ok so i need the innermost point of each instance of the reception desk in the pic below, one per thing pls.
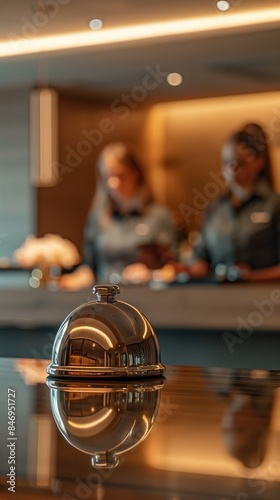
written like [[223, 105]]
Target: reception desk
[[167, 435], [232, 325]]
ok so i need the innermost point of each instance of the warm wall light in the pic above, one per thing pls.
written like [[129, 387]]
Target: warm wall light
[[43, 137], [20, 45]]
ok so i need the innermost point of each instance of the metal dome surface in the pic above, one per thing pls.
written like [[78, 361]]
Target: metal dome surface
[[105, 338]]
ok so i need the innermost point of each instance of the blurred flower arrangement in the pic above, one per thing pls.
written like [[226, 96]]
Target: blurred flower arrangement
[[47, 256]]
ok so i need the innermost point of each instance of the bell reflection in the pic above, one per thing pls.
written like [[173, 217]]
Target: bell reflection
[[105, 420]]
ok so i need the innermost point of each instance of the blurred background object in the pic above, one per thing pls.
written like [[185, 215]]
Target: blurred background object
[[47, 257], [120, 90]]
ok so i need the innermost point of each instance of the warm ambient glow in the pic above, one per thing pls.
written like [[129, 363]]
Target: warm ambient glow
[[43, 140], [91, 330], [91, 421], [19, 45]]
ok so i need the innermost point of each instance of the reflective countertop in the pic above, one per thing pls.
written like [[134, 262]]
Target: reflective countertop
[[197, 433]]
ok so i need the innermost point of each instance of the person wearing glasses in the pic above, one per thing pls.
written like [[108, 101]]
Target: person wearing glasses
[[240, 231]]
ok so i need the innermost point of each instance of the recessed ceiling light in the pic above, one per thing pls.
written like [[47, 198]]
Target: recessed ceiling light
[[174, 79], [223, 5], [95, 24]]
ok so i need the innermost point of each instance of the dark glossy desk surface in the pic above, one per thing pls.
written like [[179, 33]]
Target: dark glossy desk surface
[[188, 453]]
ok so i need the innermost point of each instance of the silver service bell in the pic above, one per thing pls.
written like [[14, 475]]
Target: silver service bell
[[105, 338]]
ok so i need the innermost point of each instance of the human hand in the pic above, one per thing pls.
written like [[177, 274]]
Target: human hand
[[167, 274], [79, 279], [136, 273], [244, 272]]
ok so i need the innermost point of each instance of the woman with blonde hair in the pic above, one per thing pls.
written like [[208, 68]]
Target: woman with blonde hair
[[125, 225]]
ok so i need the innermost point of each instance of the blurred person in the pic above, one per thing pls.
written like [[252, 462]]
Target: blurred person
[[247, 418], [124, 225], [261, 141], [240, 229], [246, 426]]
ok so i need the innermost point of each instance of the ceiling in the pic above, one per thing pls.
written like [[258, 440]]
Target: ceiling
[[223, 62]]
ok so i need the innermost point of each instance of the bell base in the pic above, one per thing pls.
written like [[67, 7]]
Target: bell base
[[88, 372], [97, 386]]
